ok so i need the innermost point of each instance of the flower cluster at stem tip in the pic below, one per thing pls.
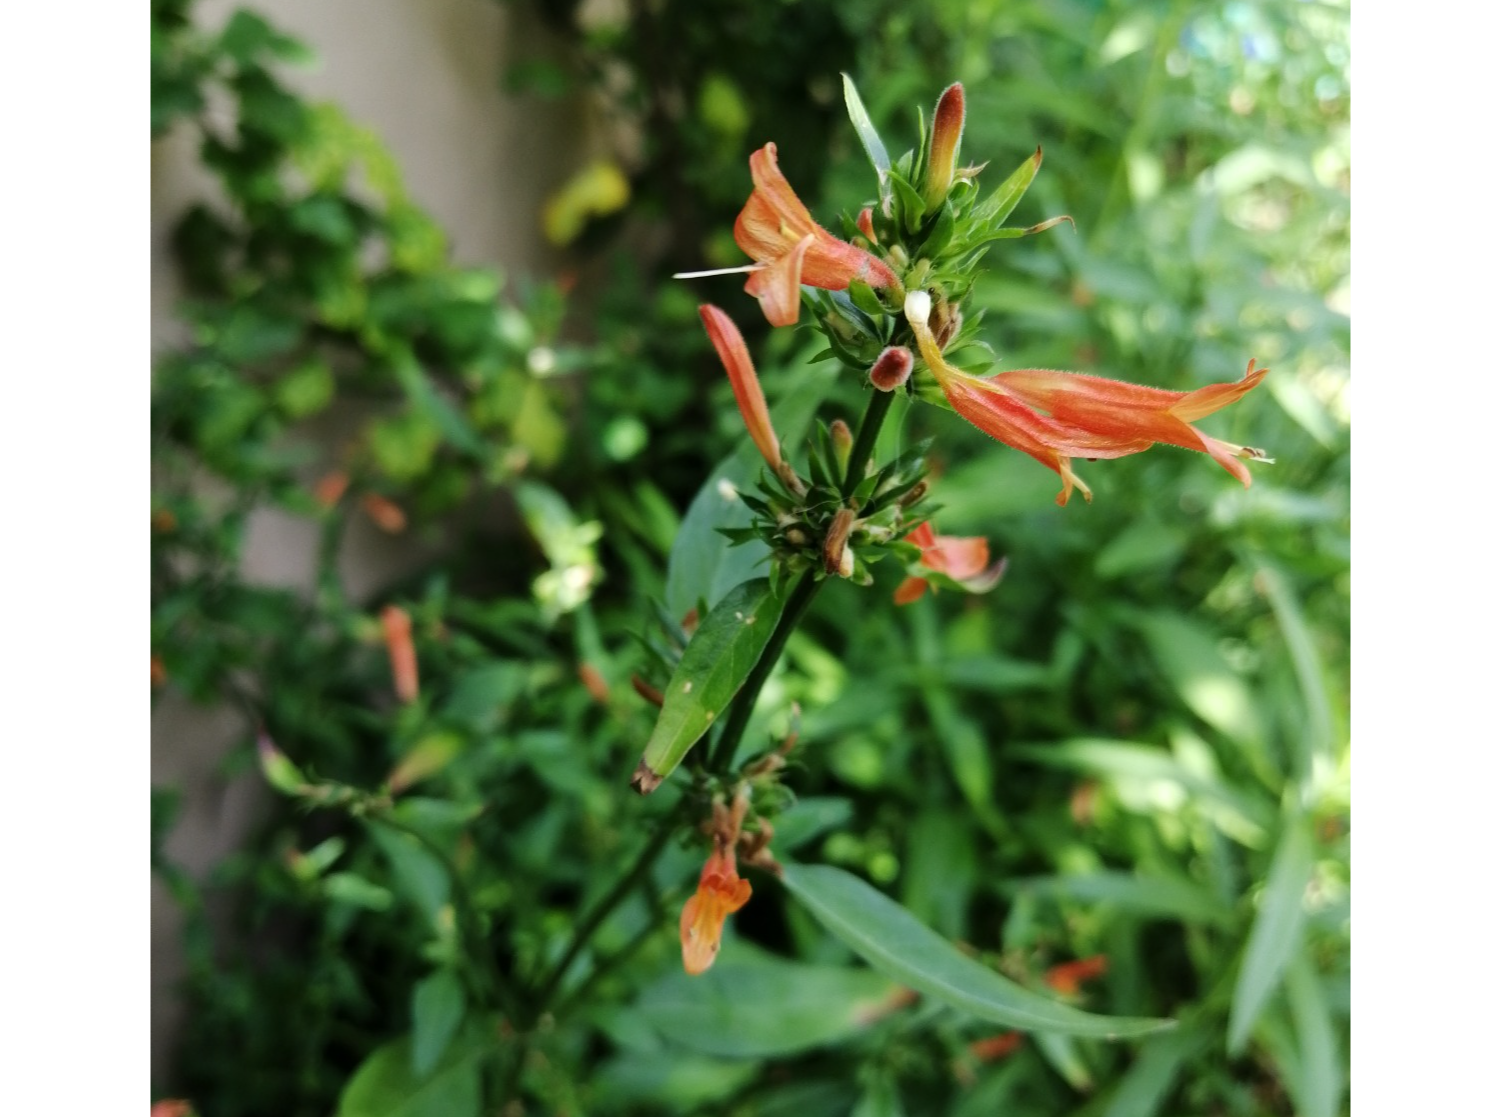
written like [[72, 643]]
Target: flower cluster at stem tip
[[888, 299]]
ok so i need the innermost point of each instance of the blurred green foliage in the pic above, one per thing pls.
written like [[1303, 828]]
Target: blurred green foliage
[[1135, 748]]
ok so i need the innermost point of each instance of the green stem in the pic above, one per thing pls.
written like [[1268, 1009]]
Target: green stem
[[597, 915], [869, 433], [487, 983], [611, 962], [744, 702]]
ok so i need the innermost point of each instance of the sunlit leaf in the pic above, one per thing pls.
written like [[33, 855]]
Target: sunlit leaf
[[727, 644]]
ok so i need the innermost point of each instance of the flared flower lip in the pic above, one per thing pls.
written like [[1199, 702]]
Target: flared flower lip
[[1057, 416], [720, 892], [776, 230]]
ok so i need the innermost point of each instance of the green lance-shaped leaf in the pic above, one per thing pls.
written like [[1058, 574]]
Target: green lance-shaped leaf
[[892, 940], [726, 646], [996, 209], [1275, 933], [874, 147]]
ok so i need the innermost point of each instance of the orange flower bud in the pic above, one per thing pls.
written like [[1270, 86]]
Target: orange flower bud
[[398, 634], [946, 135], [737, 363], [892, 368]]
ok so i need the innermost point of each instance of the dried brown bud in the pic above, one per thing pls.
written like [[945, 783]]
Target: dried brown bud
[[917, 492], [835, 545], [946, 322]]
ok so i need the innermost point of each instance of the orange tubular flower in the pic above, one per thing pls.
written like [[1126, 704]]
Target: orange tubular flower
[[1111, 407], [1088, 417], [962, 558], [721, 892], [737, 363], [775, 230]]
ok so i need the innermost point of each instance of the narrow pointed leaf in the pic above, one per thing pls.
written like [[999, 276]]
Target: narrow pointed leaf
[[714, 665], [874, 147], [1317, 1093], [995, 210], [892, 940], [1275, 933]]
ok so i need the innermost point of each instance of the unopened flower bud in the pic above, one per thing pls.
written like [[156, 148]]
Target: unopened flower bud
[[837, 559], [916, 493], [892, 369], [946, 135], [866, 224], [843, 442]]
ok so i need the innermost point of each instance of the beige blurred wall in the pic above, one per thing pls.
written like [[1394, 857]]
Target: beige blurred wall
[[426, 75]]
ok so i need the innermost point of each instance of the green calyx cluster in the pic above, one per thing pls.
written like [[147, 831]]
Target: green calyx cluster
[[827, 527]]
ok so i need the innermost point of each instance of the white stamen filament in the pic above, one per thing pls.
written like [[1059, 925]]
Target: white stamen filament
[[717, 271]]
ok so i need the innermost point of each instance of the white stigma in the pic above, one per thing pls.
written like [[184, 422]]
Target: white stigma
[[917, 307]]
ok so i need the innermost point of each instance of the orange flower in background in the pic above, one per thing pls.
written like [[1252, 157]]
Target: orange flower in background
[[776, 230], [383, 512], [331, 488], [1088, 417], [398, 635], [737, 363], [962, 558], [996, 1047], [721, 892], [1067, 978]]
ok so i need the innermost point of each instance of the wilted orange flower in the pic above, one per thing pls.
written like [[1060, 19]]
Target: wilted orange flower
[[398, 634], [776, 230], [962, 558], [721, 892], [1088, 417], [1068, 976]]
